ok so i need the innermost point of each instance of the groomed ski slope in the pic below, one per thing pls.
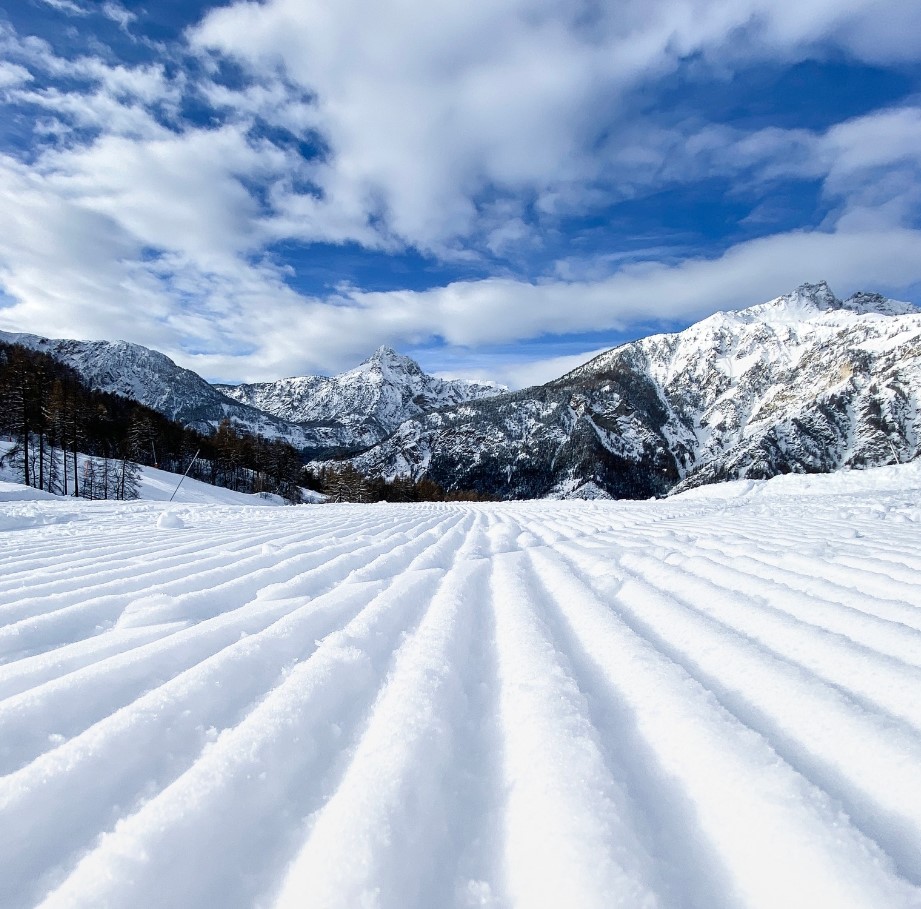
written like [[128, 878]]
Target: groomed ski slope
[[710, 701]]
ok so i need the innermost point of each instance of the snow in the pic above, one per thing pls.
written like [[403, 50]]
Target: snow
[[155, 485], [367, 402], [707, 701]]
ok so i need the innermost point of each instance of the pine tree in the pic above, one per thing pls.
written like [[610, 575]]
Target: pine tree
[[17, 405]]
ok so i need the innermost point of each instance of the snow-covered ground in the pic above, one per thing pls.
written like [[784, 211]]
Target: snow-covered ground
[[154, 485], [709, 701]]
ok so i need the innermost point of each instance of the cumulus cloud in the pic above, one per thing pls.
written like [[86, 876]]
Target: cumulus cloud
[[471, 315], [425, 107]]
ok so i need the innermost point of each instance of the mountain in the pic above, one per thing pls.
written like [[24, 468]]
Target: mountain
[[323, 417], [152, 378], [367, 403], [803, 383]]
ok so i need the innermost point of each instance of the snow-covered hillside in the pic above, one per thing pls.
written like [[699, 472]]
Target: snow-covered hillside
[[153, 379], [705, 702], [369, 401], [805, 383]]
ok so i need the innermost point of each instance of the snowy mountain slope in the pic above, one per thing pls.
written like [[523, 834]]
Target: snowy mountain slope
[[805, 382], [370, 401], [319, 415], [152, 378], [706, 702]]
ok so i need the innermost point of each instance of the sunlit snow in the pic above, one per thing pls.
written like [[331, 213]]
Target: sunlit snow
[[708, 701]]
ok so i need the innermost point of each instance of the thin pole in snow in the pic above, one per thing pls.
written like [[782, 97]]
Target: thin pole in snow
[[184, 475]]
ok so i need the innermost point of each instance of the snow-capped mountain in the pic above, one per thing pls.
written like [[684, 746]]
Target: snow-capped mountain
[[153, 379], [321, 416], [805, 383], [368, 402]]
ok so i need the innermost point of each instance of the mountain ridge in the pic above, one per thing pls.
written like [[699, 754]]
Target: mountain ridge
[[350, 412], [372, 399], [804, 382], [152, 378]]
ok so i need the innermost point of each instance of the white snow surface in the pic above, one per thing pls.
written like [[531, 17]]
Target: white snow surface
[[708, 701], [154, 485]]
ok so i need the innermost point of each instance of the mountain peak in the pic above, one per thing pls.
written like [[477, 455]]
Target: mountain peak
[[387, 356], [804, 303], [810, 300], [820, 297], [819, 294]]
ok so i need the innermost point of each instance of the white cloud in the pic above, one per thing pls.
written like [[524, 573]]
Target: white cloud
[[11, 74], [520, 372], [174, 276], [118, 14], [179, 193], [297, 335], [111, 9], [69, 7], [425, 107]]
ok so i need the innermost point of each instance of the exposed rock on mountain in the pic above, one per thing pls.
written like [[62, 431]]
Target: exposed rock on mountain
[[367, 403], [806, 382], [323, 417]]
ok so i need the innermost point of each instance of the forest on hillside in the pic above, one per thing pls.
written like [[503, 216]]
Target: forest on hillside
[[50, 415]]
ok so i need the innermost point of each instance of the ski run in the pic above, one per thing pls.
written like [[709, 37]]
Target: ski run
[[707, 701]]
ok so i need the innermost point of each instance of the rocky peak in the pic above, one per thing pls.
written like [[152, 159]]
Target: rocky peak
[[387, 359], [819, 295], [864, 302], [811, 300]]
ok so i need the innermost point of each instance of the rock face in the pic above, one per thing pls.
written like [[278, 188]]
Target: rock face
[[805, 383], [363, 405]]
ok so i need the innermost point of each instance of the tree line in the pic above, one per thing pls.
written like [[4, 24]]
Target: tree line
[[73, 440], [344, 483]]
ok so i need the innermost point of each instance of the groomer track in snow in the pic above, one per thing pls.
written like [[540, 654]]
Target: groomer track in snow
[[709, 701]]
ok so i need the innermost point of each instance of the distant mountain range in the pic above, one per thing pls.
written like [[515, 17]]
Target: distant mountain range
[[321, 416], [365, 404], [805, 382]]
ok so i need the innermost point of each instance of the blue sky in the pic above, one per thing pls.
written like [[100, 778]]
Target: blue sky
[[498, 187]]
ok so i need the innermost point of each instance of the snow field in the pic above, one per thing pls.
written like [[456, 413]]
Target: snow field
[[708, 701]]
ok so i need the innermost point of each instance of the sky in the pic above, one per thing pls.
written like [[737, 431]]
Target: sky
[[499, 188]]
